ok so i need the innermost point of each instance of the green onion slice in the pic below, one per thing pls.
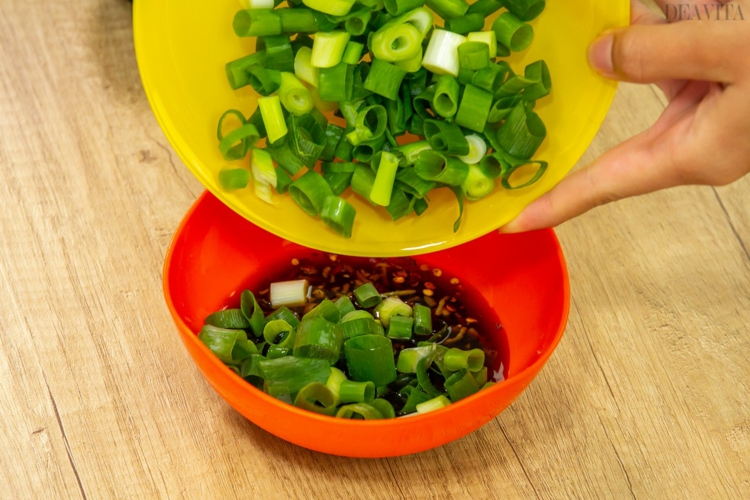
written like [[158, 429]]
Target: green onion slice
[[356, 392], [512, 32], [457, 359], [310, 192], [367, 296], [435, 166], [326, 310], [317, 398], [286, 376], [232, 319], [424, 378], [437, 403], [409, 358], [359, 411], [234, 178], [370, 357], [318, 338], [445, 138], [461, 385], [338, 214], [230, 346], [253, 313]]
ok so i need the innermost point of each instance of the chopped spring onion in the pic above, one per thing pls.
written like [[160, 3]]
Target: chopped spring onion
[[279, 333], [477, 150], [339, 215], [538, 72], [465, 24], [318, 338], [435, 166], [422, 320], [441, 56], [257, 4], [477, 185], [541, 169], [384, 407], [480, 376], [237, 70], [344, 303], [488, 37], [384, 79], [310, 192], [257, 22], [445, 102], [409, 358], [262, 167], [336, 83], [234, 178], [522, 133], [362, 180], [317, 398], [410, 152], [334, 382], [263, 80], [384, 179], [512, 32], [360, 326], [448, 9], [332, 7], [461, 385], [398, 7], [283, 313], [289, 293], [396, 43], [370, 124], [370, 357], [232, 319], [526, 10], [485, 7], [252, 311], [286, 376], [367, 296], [279, 52], [228, 345], [353, 53], [303, 67], [356, 392], [445, 138], [273, 118], [437, 403], [326, 310], [359, 410], [358, 314], [475, 108], [474, 55], [390, 307], [411, 183], [420, 18], [400, 328], [328, 48], [295, 97], [457, 359]]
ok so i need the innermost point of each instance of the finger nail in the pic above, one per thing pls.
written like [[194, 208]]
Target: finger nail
[[600, 54], [511, 228]]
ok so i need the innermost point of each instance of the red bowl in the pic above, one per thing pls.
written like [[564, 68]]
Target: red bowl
[[216, 253]]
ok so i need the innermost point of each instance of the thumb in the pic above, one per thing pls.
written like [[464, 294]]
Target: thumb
[[649, 53]]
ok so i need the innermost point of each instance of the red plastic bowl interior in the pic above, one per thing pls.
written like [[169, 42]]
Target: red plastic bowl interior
[[216, 253]]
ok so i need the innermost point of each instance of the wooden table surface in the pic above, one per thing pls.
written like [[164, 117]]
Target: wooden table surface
[[646, 396]]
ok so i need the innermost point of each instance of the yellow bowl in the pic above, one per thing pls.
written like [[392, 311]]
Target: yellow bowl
[[182, 47]]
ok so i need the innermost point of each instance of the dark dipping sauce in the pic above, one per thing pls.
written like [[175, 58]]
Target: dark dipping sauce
[[461, 317]]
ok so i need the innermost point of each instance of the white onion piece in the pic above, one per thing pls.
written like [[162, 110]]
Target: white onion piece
[[256, 4], [289, 293], [477, 150], [441, 56]]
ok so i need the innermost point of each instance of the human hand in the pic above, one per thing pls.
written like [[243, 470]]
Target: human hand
[[703, 136]]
